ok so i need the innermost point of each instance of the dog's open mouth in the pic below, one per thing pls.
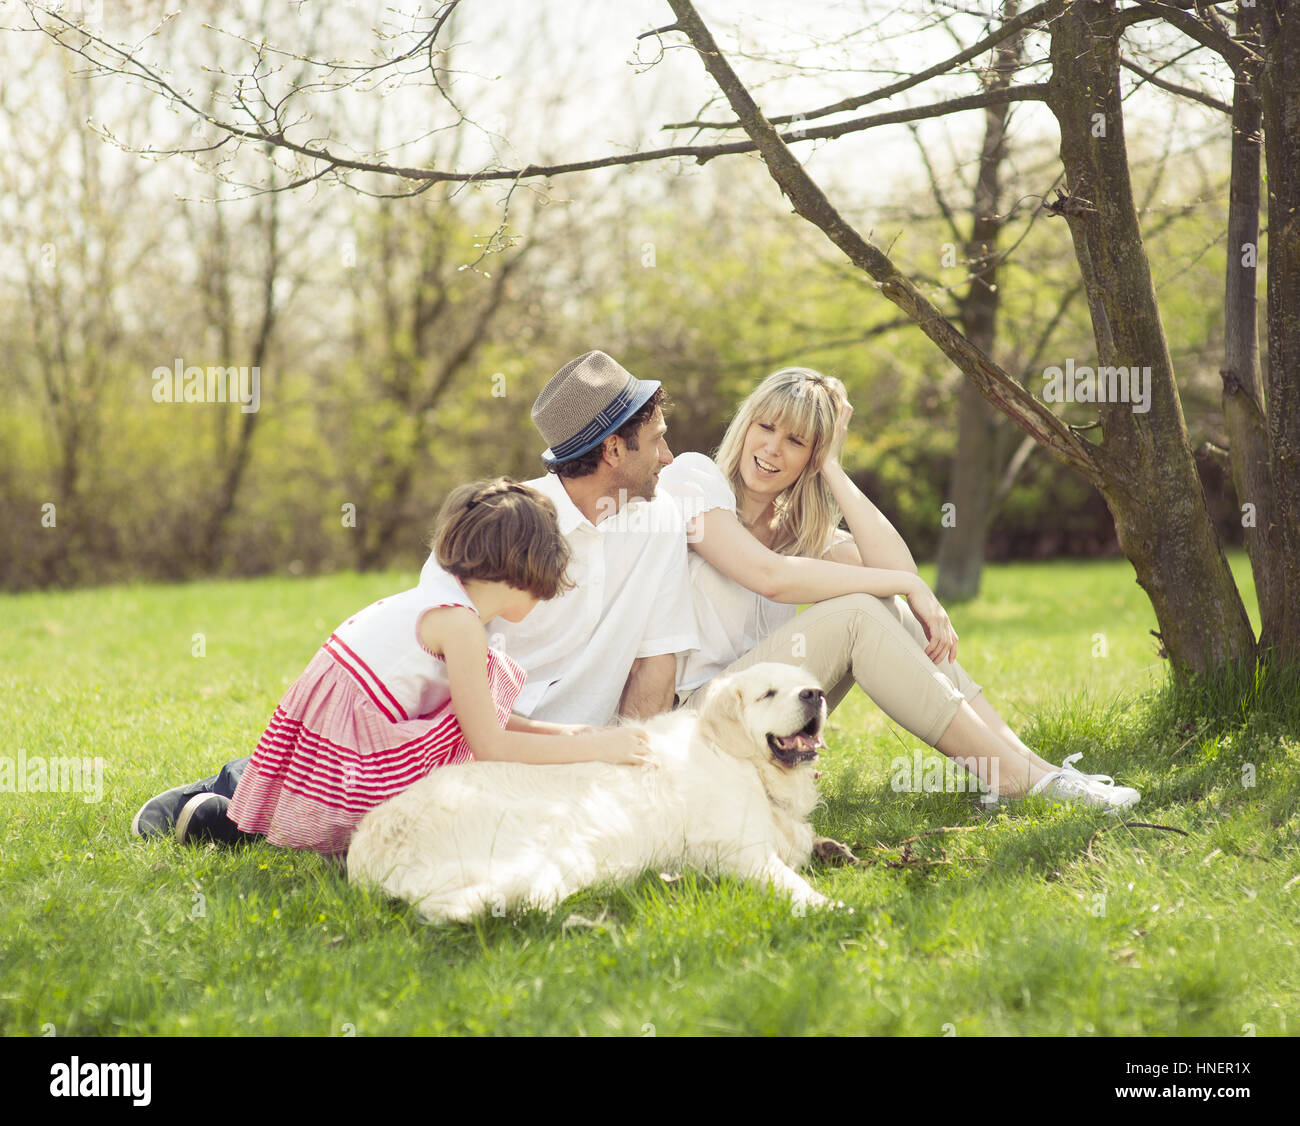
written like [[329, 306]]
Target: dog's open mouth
[[791, 750]]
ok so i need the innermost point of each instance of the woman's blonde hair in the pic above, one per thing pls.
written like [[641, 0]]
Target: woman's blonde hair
[[805, 403]]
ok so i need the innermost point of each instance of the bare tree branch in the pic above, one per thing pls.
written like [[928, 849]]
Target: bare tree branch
[[1173, 88], [275, 134], [1211, 35], [935, 190], [816, 346], [1032, 15], [809, 201]]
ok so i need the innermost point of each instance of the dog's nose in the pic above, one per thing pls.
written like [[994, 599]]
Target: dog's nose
[[811, 695]]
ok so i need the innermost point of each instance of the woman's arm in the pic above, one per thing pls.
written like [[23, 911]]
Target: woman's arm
[[876, 539], [725, 543], [457, 634], [878, 542]]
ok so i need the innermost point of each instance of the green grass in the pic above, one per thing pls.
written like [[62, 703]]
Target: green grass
[[1013, 929]]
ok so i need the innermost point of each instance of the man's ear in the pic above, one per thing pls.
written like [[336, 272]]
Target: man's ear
[[612, 449]]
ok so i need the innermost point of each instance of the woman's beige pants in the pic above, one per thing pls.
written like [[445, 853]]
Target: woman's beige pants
[[876, 643]]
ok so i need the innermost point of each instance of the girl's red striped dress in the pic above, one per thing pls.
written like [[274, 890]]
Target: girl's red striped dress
[[369, 717]]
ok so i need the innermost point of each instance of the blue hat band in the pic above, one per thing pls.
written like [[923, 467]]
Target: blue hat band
[[599, 428]]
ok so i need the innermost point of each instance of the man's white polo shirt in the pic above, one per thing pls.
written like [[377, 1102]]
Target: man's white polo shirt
[[631, 598]]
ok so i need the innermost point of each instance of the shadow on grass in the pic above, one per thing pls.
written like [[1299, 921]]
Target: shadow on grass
[[1216, 754], [1234, 771]]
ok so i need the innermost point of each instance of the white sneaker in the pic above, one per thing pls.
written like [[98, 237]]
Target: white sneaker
[[1070, 785]]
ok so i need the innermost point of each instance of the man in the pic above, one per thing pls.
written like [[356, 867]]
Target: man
[[607, 647]]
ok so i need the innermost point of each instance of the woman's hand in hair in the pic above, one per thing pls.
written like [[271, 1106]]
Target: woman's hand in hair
[[934, 620], [843, 413]]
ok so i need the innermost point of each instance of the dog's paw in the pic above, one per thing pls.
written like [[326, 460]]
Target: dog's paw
[[815, 901], [808, 900], [831, 851]]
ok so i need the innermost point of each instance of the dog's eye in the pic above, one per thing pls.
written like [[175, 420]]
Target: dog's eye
[[769, 692]]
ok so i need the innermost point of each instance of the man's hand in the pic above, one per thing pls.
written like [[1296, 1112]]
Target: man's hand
[[649, 687]]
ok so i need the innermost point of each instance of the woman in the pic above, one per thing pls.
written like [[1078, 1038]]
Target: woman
[[763, 539]]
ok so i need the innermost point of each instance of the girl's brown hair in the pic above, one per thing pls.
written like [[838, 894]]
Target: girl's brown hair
[[502, 531]]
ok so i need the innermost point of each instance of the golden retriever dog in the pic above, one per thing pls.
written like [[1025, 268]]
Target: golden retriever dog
[[730, 791]]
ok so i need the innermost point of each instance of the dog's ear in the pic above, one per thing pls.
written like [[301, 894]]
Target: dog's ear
[[721, 705], [723, 695]]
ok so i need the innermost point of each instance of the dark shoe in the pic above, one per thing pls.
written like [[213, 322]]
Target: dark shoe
[[158, 816], [204, 819]]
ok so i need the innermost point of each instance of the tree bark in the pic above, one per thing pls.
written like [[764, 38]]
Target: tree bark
[[976, 470], [1144, 468], [1280, 97], [232, 465], [1243, 403], [1149, 477]]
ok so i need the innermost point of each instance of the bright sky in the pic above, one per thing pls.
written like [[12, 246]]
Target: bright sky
[[567, 80]]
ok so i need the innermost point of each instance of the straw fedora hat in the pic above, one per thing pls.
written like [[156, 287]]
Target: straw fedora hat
[[584, 403]]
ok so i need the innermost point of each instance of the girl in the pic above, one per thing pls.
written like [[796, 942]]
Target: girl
[[763, 539], [410, 684]]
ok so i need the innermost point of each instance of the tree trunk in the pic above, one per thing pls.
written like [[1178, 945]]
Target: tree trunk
[[1144, 469], [1280, 96], [233, 466], [976, 469], [1149, 477], [1243, 403], [432, 338]]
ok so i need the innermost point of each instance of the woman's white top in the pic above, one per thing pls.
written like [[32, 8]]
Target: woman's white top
[[731, 618]]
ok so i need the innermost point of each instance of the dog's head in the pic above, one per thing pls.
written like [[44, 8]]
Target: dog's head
[[769, 711]]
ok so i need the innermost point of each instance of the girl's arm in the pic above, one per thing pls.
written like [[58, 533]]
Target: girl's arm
[[724, 542], [540, 727], [456, 633]]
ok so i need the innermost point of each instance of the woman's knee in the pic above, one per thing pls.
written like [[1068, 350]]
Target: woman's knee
[[868, 605], [870, 612], [890, 616]]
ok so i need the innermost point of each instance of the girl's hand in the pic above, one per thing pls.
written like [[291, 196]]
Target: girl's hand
[[934, 620], [842, 416], [625, 746]]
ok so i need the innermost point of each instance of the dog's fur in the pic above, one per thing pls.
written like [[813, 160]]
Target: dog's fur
[[500, 836]]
